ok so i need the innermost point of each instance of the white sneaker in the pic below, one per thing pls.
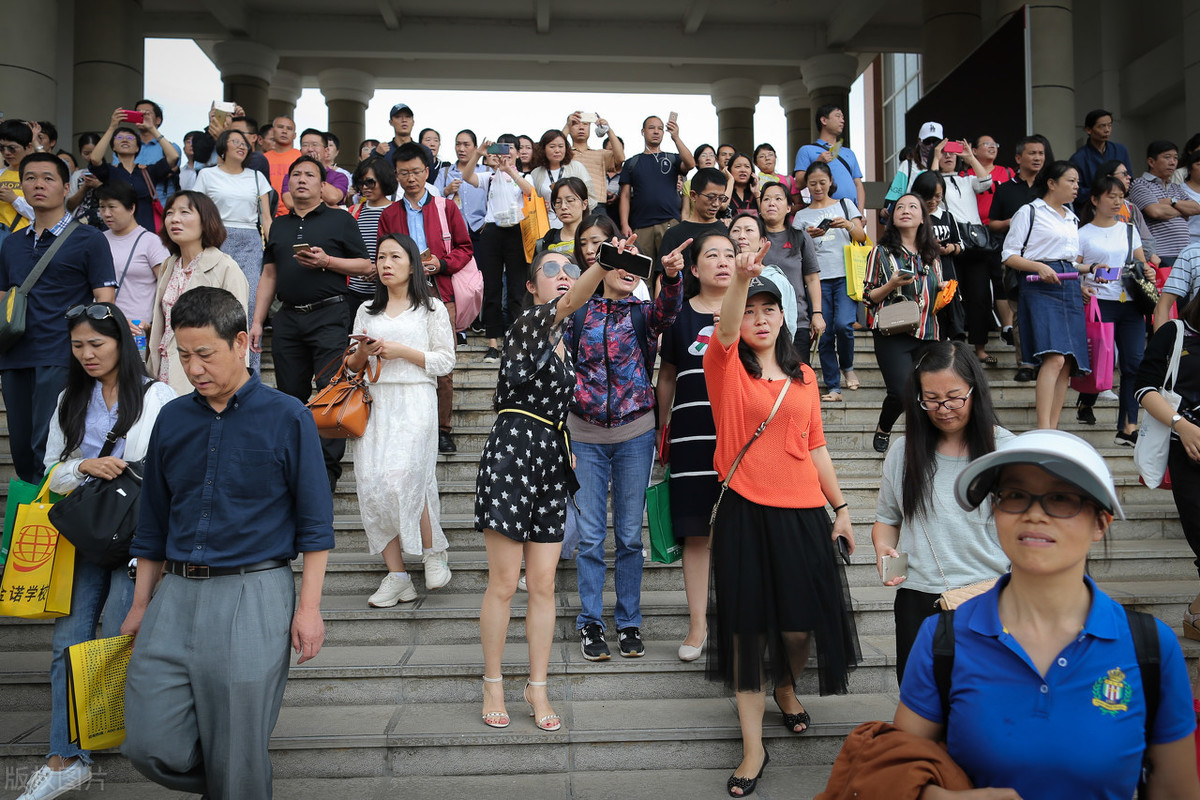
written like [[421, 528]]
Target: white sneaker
[[1108, 396], [46, 783], [521, 584], [393, 590], [437, 572]]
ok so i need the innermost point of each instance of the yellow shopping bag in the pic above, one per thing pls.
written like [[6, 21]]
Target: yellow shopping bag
[[41, 564], [856, 268], [96, 691], [536, 223]]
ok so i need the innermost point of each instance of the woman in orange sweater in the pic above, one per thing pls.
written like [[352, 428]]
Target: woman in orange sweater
[[776, 576]]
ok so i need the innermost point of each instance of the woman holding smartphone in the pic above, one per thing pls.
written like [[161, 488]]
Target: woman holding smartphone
[[408, 333], [744, 196]]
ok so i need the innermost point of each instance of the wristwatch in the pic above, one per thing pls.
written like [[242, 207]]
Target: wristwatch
[[1173, 201], [1174, 420]]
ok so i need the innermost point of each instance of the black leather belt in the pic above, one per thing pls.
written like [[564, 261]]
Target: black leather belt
[[307, 307], [202, 571]]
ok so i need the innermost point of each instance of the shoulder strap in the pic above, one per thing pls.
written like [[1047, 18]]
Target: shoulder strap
[[44, 261], [943, 662], [758, 432], [149, 184], [845, 211], [440, 204], [1032, 216], [1176, 352], [129, 260], [1144, 630], [1129, 238]]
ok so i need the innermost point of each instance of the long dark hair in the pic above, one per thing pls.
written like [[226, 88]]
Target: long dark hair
[[131, 377], [418, 288], [927, 246], [921, 438]]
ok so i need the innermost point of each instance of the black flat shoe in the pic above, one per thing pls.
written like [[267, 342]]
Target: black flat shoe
[[747, 785], [881, 440]]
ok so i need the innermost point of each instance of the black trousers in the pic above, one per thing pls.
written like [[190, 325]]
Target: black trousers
[[308, 346], [501, 254], [803, 343], [911, 608], [979, 283], [895, 355], [31, 401], [1185, 486]]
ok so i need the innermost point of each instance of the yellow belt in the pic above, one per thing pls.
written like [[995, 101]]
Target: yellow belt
[[558, 426]]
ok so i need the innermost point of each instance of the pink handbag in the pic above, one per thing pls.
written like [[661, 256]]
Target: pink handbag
[[467, 282], [1101, 352]]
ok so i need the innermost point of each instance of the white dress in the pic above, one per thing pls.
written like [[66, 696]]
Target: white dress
[[395, 460]]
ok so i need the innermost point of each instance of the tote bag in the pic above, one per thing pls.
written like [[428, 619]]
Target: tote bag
[[96, 691], [41, 565], [664, 549], [535, 225], [467, 282], [1101, 352], [1154, 439]]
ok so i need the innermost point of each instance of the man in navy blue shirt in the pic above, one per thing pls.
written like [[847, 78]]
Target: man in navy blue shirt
[[34, 371], [234, 488], [650, 201], [847, 175], [1098, 125]]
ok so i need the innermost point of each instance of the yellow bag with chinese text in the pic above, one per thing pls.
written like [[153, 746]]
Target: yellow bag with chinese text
[[536, 223], [96, 691], [41, 564]]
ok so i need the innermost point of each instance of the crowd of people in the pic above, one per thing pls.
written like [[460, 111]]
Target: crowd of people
[[165, 265]]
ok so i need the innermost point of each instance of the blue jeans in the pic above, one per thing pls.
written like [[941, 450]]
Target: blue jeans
[[840, 315], [626, 468], [94, 591]]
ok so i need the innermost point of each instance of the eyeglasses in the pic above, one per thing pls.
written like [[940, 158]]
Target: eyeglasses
[[10, 148], [1060, 505], [950, 403], [367, 183], [409, 173], [125, 138], [551, 269], [713, 197], [563, 202], [94, 311]]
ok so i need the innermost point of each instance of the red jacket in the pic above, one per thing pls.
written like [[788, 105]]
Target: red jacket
[[395, 220]]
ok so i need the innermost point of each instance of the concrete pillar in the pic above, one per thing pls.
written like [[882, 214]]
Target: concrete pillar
[[828, 77], [282, 95], [951, 30], [246, 71], [735, 99], [347, 93], [1052, 64], [29, 68], [1191, 70], [793, 96], [109, 52]]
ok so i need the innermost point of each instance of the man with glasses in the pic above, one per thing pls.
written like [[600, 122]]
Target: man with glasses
[[34, 369], [16, 142], [707, 194], [336, 185], [417, 215]]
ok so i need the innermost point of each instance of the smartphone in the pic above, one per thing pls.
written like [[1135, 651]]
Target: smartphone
[[1109, 273], [673, 117], [588, 116], [499, 149], [222, 112], [132, 116], [895, 567], [825, 223], [301, 248], [425, 254], [633, 263], [953, 147], [843, 548], [360, 337]]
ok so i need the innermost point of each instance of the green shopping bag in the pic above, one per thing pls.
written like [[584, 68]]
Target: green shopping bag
[[663, 547]]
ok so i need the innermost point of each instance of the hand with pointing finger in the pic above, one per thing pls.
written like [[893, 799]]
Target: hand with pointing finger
[[673, 262], [750, 265]]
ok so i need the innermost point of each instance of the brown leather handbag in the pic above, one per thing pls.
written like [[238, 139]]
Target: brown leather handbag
[[342, 408]]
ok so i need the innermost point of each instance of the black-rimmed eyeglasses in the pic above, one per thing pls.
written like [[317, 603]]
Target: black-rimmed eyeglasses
[[950, 403], [1060, 505]]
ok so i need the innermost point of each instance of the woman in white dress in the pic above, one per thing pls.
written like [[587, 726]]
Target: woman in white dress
[[408, 333]]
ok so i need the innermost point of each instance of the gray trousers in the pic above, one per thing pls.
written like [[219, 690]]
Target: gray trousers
[[206, 681]]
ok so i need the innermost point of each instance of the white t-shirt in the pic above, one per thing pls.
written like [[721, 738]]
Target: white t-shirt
[[1108, 246], [236, 196], [831, 248], [135, 294]]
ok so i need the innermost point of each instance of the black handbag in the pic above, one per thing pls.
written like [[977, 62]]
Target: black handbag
[[976, 237], [1142, 291]]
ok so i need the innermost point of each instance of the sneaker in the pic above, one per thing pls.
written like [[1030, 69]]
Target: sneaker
[[1025, 375], [437, 571], [446, 443], [591, 642], [1107, 396], [1125, 439], [630, 641], [1085, 414], [1006, 336], [392, 590], [521, 584], [491, 356], [461, 337], [46, 783]]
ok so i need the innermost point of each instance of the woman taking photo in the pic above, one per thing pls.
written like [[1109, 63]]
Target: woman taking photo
[[553, 160], [793, 250], [948, 421], [406, 329], [106, 392], [375, 181], [126, 143], [903, 267], [845, 226], [569, 199], [1046, 695], [1044, 241], [535, 385], [242, 196], [777, 581], [193, 233], [743, 198]]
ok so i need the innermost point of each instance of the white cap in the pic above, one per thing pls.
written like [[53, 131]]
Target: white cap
[[1064, 455], [931, 130]]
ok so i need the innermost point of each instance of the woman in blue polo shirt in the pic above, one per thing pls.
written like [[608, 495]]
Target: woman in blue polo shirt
[[1045, 692]]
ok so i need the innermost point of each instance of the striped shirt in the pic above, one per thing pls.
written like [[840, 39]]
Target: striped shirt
[[1170, 235], [368, 226], [882, 263]]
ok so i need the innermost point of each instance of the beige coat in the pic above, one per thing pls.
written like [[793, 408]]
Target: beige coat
[[214, 269]]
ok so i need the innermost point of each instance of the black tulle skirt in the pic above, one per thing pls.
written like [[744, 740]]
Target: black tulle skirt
[[777, 578]]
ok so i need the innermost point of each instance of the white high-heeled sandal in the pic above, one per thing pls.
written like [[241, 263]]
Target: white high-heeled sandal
[[495, 719], [544, 723]]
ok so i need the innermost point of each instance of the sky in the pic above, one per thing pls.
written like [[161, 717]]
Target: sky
[[185, 107]]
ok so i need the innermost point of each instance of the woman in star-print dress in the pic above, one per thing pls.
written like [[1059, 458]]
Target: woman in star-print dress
[[525, 479]]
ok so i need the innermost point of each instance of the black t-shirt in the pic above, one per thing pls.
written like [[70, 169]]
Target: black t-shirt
[[680, 233], [331, 229], [653, 180], [1010, 196]]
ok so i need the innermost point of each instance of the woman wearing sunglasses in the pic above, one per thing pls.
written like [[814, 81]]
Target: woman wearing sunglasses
[[1046, 695], [375, 182], [106, 393], [526, 477], [948, 420]]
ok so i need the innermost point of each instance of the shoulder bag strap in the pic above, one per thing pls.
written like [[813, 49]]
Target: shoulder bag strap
[[44, 261], [1144, 631], [149, 185], [1176, 352], [440, 204], [758, 432], [1032, 216], [1129, 239], [943, 662], [129, 260]]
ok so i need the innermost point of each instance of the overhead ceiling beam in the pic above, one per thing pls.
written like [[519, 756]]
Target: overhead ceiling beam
[[231, 14], [391, 20], [541, 10], [694, 16], [852, 16]]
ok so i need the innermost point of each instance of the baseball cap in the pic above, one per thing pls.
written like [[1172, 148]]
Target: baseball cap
[[928, 130], [399, 107], [1064, 455], [760, 285]]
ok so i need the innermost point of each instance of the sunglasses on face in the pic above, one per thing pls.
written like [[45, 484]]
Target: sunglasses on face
[[368, 183], [1060, 505], [551, 269], [94, 311]]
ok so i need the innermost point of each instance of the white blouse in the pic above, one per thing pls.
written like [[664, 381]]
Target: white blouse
[[1053, 238], [960, 196]]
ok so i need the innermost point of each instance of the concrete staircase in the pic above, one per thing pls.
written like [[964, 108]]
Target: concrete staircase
[[392, 703]]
